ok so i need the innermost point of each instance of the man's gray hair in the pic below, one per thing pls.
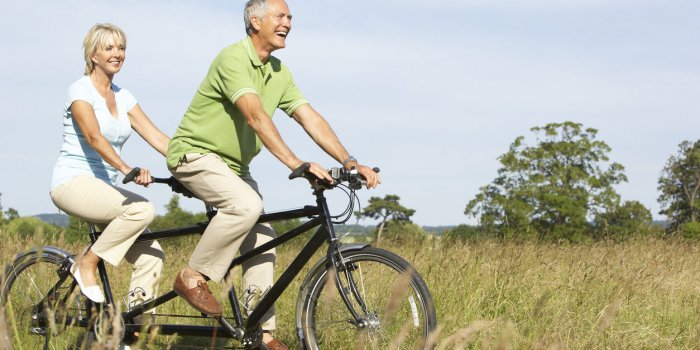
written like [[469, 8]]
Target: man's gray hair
[[253, 8]]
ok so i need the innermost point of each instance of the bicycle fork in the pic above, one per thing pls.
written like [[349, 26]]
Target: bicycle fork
[[340, 265]]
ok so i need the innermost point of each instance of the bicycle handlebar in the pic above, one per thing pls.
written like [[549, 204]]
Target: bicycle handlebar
[[354, 179], [339, 175], [175, 185]]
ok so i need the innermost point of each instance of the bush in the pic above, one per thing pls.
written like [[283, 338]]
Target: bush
[[403, 232], [27, 227], [690, 230], [466, 233]]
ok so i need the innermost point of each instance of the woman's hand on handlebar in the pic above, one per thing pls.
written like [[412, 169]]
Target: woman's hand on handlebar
[[143, 177]]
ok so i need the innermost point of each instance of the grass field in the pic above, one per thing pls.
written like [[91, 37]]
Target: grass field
[[641, 294]]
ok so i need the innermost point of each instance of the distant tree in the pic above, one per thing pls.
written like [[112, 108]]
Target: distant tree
[[679, 185], [550, 189], [29, 227], [77, 230], [12, 214], [384, 209], [466, 233], [629, 219], [404, 232], [175, 216]]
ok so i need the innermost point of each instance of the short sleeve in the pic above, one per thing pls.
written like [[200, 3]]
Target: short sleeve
[[292, 98], [234, 78], [80, 91], [128, 99]]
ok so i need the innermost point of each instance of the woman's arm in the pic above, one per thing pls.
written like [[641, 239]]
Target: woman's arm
[[84, 116], [148, 131]]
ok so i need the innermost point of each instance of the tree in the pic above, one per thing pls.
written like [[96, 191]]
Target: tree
[[629, 219], [175, 217], [551, 189], [77, 230], [29, 227], [679, 185], [12, 214], [384, 209]]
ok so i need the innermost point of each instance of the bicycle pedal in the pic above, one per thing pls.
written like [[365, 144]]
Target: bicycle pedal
[[137, 294]]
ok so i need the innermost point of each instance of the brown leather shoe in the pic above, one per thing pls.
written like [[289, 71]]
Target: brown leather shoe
[[275, 344], [199, 297]]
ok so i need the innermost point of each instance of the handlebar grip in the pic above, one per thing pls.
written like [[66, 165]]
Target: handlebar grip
[[135, 172], [299, 172], [131, 175]]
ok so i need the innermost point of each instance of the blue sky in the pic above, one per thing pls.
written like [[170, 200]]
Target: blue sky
[[432, 92]]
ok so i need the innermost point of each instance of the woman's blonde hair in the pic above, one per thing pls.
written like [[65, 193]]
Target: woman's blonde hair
[[96, 37]]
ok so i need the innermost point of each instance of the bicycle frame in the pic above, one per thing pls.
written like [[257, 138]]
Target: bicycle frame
[[247, 330]]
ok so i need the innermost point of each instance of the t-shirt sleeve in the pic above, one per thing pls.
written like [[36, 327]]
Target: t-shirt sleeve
[[129, 99], [234, 79], [78, 91], [292, 98]]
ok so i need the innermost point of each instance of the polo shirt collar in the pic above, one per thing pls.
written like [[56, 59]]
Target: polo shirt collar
[[250, 49]]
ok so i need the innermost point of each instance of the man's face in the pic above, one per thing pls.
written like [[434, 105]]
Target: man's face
[[276, 25]]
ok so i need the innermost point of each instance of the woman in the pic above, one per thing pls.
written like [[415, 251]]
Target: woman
[[97, 120]]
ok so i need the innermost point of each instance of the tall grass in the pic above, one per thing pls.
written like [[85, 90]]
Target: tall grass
[[641, 294]]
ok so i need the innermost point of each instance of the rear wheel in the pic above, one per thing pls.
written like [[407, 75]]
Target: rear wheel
[[392, 301], [40, 300]]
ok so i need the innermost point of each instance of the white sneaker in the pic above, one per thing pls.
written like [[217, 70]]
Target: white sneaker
[[93, 293]]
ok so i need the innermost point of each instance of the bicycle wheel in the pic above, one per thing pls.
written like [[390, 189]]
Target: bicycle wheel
[[391, 299], [40, 300]]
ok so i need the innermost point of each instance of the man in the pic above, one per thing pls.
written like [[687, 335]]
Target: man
[[225, 126]]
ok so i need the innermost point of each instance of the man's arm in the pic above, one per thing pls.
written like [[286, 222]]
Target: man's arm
[[250, 106], [321, 132]]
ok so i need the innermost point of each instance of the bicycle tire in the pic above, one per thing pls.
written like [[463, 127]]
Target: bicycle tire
[[32, 310], [400, 312]]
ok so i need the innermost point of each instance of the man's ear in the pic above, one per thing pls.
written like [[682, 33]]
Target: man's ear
[[255, 23]]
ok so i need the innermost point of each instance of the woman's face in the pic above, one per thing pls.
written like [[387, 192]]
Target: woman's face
[[109, 56]]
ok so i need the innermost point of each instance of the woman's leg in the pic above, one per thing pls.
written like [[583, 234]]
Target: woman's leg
[[124, 213]]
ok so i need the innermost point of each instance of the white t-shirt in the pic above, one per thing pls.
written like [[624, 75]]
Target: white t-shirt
[[77, 157]]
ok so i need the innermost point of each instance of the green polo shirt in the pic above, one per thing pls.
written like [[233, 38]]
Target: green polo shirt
[[212, 122]]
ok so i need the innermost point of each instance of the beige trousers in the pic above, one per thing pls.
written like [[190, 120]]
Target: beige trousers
[[122, 215], [234, 227]]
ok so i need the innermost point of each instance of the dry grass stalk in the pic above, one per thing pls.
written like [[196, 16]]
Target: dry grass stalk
[[463, 336]]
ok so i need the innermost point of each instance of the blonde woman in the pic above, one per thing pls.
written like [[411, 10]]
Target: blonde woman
[[97, 119]]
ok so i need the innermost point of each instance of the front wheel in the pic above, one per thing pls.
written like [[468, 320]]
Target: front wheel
[[40, 300], [392, 301]]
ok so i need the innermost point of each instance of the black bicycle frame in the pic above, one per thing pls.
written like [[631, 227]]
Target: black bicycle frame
[[319, 216]]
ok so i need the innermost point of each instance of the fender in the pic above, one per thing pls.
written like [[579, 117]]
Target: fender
[[344, 248], [46, 251]]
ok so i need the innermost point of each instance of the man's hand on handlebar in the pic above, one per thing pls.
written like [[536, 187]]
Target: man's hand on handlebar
[[372, 177], [353, 178], [319, 172]]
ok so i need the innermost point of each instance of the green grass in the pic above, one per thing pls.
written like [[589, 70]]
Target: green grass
[[641, 294]]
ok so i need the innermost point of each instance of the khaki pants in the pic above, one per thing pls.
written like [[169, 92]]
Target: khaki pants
[[234, 227], [122, 215]]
